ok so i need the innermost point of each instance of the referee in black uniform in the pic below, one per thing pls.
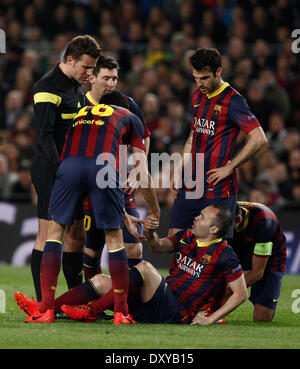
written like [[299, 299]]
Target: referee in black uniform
[[57, 98]]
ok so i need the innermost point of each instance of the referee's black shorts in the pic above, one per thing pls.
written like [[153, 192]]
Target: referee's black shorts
[[43, 180]]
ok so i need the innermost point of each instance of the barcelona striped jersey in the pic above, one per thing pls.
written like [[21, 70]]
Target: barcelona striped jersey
[[260, 225], [133, 107], [102, 129], [217, 120], [198, 270]]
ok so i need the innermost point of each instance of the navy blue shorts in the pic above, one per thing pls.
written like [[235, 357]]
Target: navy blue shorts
[[95, 238], [76, 179], [185, 210], [266, 291], [162, 308]]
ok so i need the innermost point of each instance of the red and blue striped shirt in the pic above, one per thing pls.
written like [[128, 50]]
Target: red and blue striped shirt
[[217, 120], [198, 270], [260, 225], [102, 129], [133, 107]]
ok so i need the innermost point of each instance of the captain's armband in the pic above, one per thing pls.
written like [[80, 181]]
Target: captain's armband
[[263, 248]]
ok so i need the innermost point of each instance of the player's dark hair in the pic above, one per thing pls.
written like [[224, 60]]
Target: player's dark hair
[[223, 219], [81, 45], [206, 58], [115, 98], [107, 62]]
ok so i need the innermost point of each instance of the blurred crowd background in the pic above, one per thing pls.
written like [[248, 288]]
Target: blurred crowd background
[[152, 41]]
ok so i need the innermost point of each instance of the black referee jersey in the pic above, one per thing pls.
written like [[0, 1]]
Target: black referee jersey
[[57, 99]]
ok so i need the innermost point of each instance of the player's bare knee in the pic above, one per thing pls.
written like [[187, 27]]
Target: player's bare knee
[[146, 268], [93, 253], [102, 283], [114, 239], [41, 236], [263, 317], [134, 250], [75, 238], [97, 279]]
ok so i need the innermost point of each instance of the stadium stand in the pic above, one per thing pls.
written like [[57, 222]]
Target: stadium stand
[[151, 41]]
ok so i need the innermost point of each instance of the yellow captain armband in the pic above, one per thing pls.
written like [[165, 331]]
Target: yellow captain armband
[[263, 248]]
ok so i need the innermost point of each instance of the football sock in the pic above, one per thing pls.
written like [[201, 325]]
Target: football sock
[[118, 269], [50, 267], [107, 301], [79, 295], [72, 268], [35, 263], [103, 303], [132, 262], [91, 266]]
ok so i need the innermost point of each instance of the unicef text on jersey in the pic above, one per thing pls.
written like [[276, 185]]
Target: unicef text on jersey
[[132, 170]]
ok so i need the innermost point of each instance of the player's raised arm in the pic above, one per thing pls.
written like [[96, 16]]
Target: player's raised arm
[[156, 244]]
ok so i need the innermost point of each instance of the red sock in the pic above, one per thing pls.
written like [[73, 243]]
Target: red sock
[[104, 302], [50, 268], [79, 295], [107, 301], [91, 266], [118, 269]]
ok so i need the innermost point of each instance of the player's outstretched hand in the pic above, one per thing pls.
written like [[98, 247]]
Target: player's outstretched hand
[[151, 224], [131, 223]]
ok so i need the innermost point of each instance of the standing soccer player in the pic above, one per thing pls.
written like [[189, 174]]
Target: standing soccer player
[[219, 114], [259, 242], [57, 99], [104, 80], [90, 167]]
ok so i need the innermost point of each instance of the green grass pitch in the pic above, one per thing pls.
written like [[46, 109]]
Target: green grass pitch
[[239, 332]]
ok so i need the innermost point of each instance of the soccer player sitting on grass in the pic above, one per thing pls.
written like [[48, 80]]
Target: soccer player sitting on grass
[[202, 264]]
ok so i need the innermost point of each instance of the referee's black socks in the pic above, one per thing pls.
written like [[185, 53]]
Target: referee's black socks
[[72, 268]]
